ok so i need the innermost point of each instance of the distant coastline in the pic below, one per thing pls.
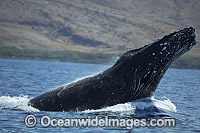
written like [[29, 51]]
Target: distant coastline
[[184, 62]]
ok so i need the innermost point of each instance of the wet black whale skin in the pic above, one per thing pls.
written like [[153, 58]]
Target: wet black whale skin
[[135, 75]]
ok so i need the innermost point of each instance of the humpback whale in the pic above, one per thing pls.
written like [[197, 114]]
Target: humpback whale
[[135, 75]]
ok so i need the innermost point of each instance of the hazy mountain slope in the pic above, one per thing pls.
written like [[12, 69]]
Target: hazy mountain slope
[[93, 25]]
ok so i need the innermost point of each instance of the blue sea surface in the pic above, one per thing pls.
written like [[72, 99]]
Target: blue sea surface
[[177, 96]]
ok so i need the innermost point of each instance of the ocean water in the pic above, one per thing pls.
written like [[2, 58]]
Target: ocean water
[[177, 96]]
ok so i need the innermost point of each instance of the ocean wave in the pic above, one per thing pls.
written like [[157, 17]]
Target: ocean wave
[[16, 103]]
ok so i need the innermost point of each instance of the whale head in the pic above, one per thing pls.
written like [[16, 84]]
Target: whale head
[[143, 68]]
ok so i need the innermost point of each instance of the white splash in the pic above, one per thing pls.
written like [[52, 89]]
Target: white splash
[[21, 103], [116, 108], [16, 103], [142, 104], [164, 104]]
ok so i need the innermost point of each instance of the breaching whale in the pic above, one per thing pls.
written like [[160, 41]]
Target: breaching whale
[[135, 75]]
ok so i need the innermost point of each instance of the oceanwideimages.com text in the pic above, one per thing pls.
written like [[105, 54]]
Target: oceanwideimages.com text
[[128, 123]]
